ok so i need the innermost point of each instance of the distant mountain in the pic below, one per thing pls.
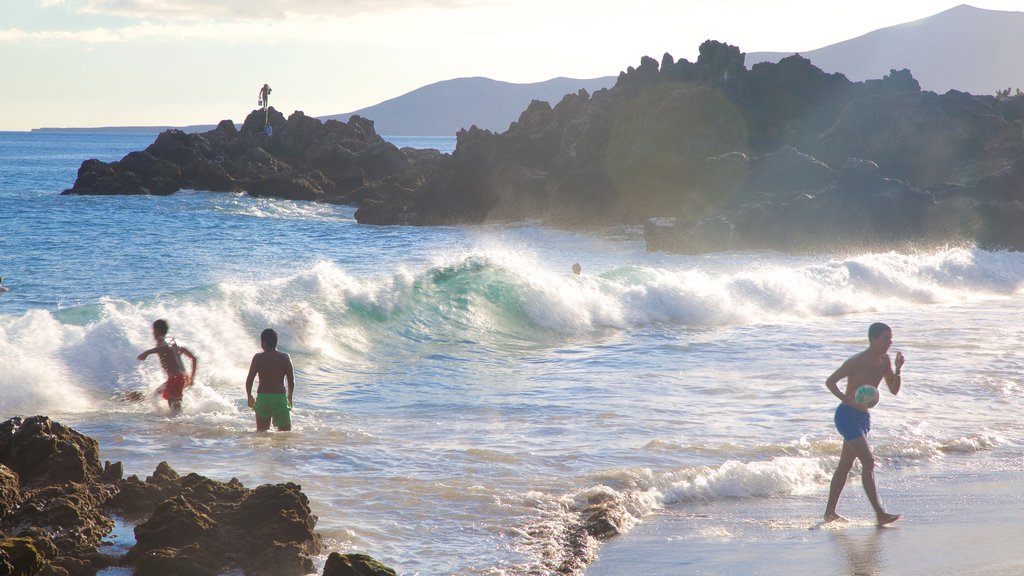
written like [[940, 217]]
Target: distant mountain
[[964, 48], [442, 108]]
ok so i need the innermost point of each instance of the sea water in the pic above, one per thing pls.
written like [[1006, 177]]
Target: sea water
[[461, 396]]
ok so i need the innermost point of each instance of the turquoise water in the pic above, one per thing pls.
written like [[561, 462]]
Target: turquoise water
[[461, 396]]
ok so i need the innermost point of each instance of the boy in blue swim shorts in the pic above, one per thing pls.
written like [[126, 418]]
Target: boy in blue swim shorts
[[869, 367], [273, 403]]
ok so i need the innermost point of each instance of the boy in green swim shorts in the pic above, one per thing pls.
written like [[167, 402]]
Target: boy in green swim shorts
[[272, 403]]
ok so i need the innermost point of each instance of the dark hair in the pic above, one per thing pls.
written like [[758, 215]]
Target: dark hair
[[877, 329], [269, 337], [160, 327]]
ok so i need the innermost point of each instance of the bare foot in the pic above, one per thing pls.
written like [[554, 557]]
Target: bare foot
[[833, 517], [886, 518]]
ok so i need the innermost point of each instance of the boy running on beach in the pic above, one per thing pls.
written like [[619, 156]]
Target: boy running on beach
[[170, 358], [853, 422], [272, 402]]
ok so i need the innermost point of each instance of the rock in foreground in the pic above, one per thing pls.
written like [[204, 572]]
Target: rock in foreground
[[56, 500]]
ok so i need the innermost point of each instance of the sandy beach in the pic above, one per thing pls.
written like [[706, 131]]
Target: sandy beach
[[963, 525]]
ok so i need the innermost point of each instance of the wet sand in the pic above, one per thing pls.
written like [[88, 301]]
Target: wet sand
[[955, 525]]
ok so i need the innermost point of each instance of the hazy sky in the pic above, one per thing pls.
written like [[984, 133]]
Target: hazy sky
[[179, 62]]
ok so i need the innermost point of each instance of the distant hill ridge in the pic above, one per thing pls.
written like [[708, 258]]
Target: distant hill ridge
[[964, 48], [443, 108]]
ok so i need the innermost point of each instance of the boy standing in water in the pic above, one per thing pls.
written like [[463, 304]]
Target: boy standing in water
[[170, 358], [272, 402], [853, 422]]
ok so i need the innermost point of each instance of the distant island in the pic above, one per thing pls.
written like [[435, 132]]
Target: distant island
[[131, 129]]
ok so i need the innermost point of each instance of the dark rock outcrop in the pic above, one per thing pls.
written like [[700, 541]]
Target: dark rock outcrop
[[781, 156], [300, 158], [43, 452], [56, 500], [354, 565]]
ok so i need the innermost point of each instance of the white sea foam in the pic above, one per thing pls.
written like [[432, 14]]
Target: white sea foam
[[328, 314], [33, 379]]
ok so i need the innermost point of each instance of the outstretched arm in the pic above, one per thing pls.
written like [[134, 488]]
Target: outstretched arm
[[148, 352]]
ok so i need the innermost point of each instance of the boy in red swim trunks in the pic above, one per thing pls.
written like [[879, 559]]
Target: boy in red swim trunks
[[869, 367], [170, 358], [272, 402]]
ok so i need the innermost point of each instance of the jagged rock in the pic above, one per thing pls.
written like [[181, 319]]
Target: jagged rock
[[285, 186], [742, 159], [190, 560], [54, 496], [112, 473], [10, 497], [176, 523], [377, 201], [201, 174], [354, 565], [268, 530], [19, 557], [160, 177], [738, 158], [302, 159], [179, 148], [41, 451], [6, 567], [71, 512], [857, 172], [137, 497], [788, 171]]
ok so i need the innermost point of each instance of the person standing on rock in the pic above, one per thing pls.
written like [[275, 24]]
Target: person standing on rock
[[265, 96], [272, 402], [170, 358]]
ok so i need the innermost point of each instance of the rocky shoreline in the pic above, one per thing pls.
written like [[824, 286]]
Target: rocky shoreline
[[707, 155], [58, 503]]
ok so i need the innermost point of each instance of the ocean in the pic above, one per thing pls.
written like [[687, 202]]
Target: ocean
[[462, 397]]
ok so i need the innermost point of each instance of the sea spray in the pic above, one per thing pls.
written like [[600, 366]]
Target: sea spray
[[337, 319], [33, 380]]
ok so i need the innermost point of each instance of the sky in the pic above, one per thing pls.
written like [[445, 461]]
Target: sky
[[87, 63]]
